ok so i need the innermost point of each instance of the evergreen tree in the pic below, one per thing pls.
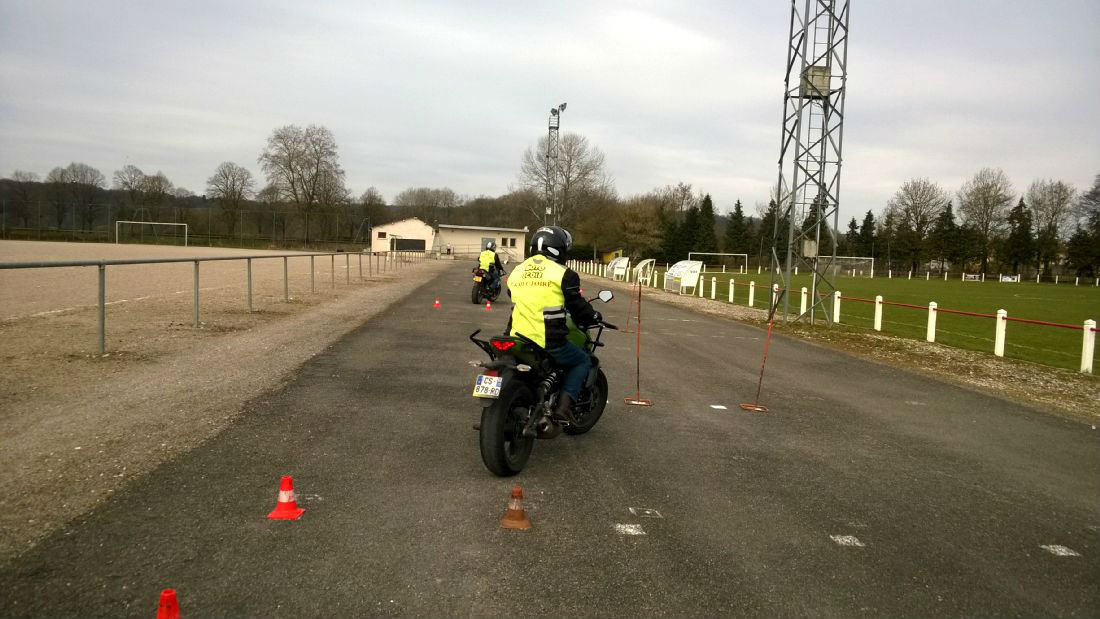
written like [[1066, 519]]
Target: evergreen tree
[[737, 232], [867, 236], [885, 237], [705, 240], [944, 237], [1019, 247], [764, 234], [670, 243], [689, 233], [906, 246], [851, 239]]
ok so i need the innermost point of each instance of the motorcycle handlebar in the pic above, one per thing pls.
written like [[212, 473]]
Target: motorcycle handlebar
[[609, 325]]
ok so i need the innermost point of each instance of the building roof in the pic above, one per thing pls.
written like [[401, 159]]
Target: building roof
[[400, 221], [483, 228]]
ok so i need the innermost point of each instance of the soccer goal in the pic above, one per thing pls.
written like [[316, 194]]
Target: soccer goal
[[715, 262], [137, 230], [853, 266]]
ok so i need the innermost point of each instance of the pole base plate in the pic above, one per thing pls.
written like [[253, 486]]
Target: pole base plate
[[754, 408], [637, 401]]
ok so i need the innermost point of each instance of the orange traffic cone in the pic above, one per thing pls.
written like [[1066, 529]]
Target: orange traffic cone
[[515, 517], [287, 506], [436, 304], [169, 607], [488, 305]]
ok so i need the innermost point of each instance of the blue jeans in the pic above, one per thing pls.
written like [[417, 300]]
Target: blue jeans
[[576, 364]]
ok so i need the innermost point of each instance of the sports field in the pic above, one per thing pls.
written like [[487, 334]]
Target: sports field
[[1061, 303]]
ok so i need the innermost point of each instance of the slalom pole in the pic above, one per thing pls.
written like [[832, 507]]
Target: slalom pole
[[637, 400]]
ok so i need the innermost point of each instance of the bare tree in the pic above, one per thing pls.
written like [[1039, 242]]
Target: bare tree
[[24, 186], [1052, 206], [130, 180], [427, 203], [156, 189], [296, 161], [182, 193], [918, 202], [577, 174], [57, 192], [84, 185], [983, 204], [230, 186]]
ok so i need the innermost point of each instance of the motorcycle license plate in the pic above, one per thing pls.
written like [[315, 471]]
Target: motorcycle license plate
[[477, 278], [487, 386]]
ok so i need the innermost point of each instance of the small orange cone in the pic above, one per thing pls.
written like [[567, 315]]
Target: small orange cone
[[436, 304], [169, 606], [488, 305], [287, 506], [515, 517]]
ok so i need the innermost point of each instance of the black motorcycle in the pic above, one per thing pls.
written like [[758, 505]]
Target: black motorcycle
[[522, 383], [483, 289]]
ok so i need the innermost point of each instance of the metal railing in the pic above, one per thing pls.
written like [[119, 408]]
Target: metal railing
[[382, 262]]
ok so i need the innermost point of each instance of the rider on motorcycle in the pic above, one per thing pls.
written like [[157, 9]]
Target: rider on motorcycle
[[542, 291], [489, 262]]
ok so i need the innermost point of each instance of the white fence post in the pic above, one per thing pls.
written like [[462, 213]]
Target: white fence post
[[1088, 346], [1076, 280], [878, 312], [775, 296], [752, 292], [713, 287], [1055, 279], [931, 334], [664, 280], [999, 339], [802, 302], [731, 291], [945, 276], [910, 275], [836, 307], [796, 270], [758, 267], [889, 273], [700, 285]]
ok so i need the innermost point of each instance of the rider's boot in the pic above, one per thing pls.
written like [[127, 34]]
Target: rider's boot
[[564, 409]]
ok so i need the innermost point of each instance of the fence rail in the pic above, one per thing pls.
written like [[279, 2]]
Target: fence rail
[[376, 262], [1001, 317]]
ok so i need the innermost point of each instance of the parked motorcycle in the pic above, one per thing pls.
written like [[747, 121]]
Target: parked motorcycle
[[521, 384]]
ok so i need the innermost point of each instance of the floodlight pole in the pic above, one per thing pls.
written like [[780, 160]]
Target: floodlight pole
[[808, 191], [552, 164]]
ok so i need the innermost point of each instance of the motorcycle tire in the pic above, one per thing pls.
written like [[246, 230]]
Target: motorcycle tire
[[504, 449], [598, 395], [475, 294]]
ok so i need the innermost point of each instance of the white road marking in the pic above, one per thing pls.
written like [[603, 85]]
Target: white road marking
[[1060, 551], [718, 407], [645, 512], [847, 540], [629, 529]]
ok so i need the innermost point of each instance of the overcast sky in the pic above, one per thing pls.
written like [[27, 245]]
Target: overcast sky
[[451, 93]]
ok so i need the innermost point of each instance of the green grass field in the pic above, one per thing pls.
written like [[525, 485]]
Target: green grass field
[[1062, 303]]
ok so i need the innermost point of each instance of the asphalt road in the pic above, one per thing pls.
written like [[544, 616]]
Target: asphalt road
[[951, 494]]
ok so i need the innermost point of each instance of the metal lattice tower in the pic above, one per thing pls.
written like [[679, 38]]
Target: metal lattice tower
[[810, 151], [552, 170]]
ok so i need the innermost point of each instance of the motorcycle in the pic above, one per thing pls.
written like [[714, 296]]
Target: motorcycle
[[481, 289], [522, 384]]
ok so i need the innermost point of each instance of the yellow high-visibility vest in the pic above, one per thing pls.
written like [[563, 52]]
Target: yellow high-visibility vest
[[535, 285], [487, 258]]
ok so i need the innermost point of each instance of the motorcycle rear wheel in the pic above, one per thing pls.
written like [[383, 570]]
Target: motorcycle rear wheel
[[598, 395], [504, 449], [475, 294]]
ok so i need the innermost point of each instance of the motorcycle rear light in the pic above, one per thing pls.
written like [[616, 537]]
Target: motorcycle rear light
[[503, 344], [491, 373]]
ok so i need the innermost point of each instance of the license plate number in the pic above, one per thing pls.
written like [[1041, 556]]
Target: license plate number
[[487, 386], [477, 278]]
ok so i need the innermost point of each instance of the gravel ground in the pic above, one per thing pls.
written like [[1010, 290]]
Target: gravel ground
[[75, 426], [1047, 389]]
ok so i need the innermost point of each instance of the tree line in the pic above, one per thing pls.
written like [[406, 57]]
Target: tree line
[[304, 198]]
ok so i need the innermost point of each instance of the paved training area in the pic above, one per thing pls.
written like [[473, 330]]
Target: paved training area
[[865, 491]]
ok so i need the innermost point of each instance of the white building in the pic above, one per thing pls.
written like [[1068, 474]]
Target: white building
[[468, 241], [460, 242]]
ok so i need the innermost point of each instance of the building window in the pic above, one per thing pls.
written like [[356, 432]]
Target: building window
[[512, 242], [381, 235], [503, 242]]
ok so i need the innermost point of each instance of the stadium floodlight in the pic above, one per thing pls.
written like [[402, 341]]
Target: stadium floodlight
[[561, 108]]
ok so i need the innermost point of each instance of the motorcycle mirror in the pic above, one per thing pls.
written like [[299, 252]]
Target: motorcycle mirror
[[606, 296]]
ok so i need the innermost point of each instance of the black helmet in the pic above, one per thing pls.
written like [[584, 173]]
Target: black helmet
[[490, 245], [552, 242]]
